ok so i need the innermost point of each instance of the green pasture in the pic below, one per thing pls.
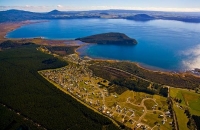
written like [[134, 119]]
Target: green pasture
[[190, 99]]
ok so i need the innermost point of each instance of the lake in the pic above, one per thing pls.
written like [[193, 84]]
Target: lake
[[162, 44]]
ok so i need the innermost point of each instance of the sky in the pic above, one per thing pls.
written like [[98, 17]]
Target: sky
[[72, 5]]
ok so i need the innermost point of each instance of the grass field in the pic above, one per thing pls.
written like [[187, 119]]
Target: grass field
[[189, 99], [24, 90], [149, 104], [154, 118], [132, 100], [161, 102], [181, 118]]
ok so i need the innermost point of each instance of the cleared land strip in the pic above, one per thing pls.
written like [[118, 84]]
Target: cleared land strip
[[124, 72], [24, 117]]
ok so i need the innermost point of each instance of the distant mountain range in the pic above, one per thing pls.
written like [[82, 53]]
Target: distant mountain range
[[20, 15]]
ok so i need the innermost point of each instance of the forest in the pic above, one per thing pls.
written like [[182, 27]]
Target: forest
[[23, 90], [126, 80], [177, 80]]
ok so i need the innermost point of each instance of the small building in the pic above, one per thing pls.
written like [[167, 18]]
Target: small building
[[167, 113], [138, 125], [163, 122]]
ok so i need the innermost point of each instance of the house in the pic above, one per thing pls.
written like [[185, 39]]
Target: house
[[167, 113]]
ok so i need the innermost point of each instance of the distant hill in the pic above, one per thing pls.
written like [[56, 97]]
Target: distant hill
[[109, 38], [20, 15], [12, 44], [140, 17], [54, 12]]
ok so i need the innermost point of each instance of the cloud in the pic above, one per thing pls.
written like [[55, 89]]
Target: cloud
[[59, 6], [193, 58]]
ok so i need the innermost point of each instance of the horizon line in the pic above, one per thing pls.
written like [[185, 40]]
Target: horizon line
[[104, 10], [90, 8]]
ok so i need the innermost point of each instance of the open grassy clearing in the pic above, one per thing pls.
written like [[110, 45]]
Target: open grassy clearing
[[181, 118], [161, 101], [154, 118], [190, 99], [150, 104], [132, 100], [134, 97]]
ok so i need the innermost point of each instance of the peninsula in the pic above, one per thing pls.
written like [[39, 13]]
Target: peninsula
[[109, 38]]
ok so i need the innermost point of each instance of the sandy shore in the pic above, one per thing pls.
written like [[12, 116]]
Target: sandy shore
[[7, 27], [10, 26]]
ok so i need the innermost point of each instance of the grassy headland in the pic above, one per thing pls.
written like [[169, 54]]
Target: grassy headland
[[109, 38]]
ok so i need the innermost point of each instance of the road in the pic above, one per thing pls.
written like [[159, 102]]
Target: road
[[38, 125], [145, 111], [124, 72]]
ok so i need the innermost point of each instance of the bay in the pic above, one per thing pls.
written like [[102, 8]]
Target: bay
[[162, 44]]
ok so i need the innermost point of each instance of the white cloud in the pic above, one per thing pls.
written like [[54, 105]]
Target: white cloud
[[193, 60], [59, 6]]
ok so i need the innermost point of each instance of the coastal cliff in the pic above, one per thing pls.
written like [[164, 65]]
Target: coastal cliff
[[109, 38]]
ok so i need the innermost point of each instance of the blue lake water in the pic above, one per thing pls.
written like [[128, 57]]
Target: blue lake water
[[164, 44]]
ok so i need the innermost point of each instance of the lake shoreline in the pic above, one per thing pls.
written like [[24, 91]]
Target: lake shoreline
[[56, 42], [17, 25]]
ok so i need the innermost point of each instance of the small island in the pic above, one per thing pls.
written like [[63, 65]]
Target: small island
[[140, 17], [109, 38]]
